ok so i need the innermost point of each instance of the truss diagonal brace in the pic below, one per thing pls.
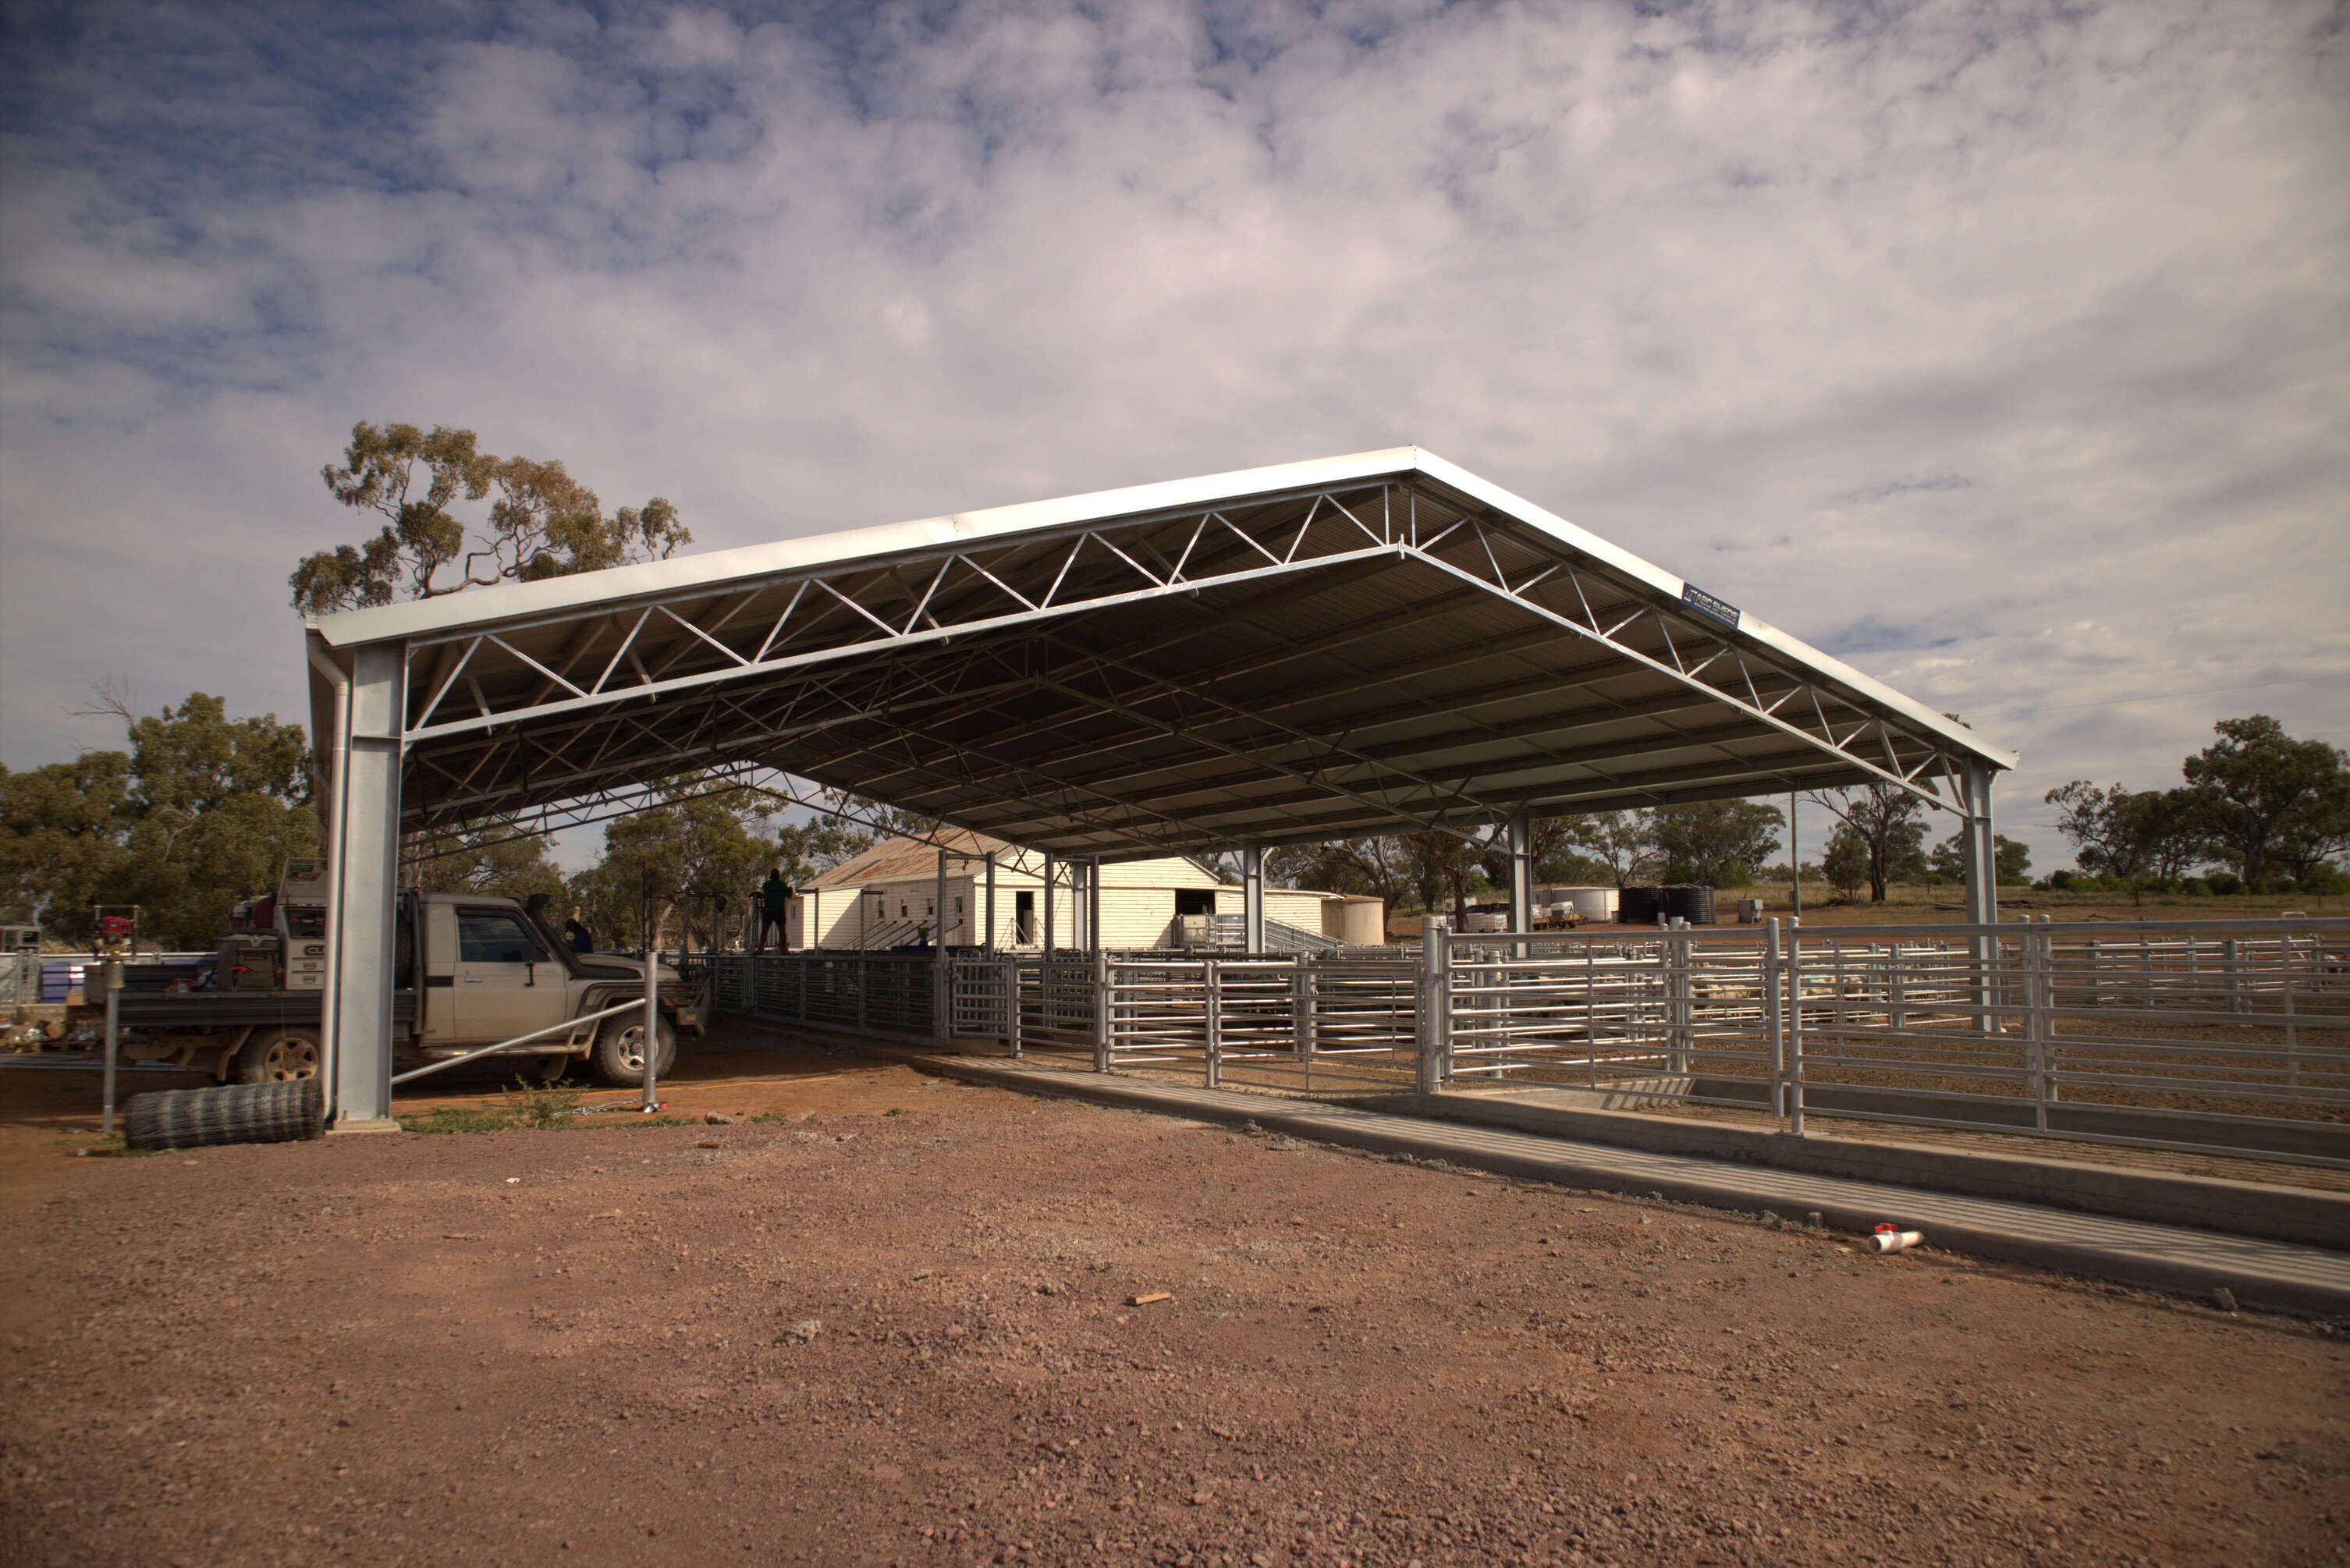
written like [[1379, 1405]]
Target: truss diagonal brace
[[1729, 698]]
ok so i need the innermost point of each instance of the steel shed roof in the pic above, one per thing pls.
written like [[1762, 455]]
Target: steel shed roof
[[1379, 642]]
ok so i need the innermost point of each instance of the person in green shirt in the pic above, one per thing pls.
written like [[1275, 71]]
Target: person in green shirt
[[774, 899]]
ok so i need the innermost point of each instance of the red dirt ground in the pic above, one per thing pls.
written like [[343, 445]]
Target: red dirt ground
[[574, 1347]]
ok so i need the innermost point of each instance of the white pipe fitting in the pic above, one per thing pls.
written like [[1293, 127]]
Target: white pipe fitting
[[1896, 1240]]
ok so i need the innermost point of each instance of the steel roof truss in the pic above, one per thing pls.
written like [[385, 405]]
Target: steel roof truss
[[1829, 744]]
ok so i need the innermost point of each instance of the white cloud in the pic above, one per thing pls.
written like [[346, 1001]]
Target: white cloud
[[2004, 343]]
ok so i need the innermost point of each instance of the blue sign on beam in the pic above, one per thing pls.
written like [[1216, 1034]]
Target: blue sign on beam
[[1706, 605]]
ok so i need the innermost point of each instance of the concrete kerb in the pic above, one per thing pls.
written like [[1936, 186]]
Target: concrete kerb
[[2301, 1215], [2136, 1253]]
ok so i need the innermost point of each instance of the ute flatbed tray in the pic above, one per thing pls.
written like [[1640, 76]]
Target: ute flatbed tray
[[235, 1009]]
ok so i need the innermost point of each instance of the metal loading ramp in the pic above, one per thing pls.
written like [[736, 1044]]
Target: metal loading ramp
[[1376, 643]]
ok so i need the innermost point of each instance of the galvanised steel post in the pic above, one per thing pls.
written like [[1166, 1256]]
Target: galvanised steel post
[[1433, 1017], [1794, 861], [1681, 992], [1252, 899], [1521, 877], [330, 750], [360, 948], [941, 977], [1301, 1007], [1793, 1006], [988, 942], [2291, 1045], [1774, 1028], [1101, 1010], [1052, 876], [1093, 902], [110, 976], [651, 1042], [1010, 962], [1046, 1000], [2033, 950], [1215, 1004], [1977, 859]]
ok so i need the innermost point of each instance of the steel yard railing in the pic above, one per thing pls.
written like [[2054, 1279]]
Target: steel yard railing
[[2213, 1036], [883, 994]]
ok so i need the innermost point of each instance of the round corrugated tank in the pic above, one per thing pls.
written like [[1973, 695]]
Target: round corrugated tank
[[1638, 905], [1362, 922], [1590, 903], [1689, 902]]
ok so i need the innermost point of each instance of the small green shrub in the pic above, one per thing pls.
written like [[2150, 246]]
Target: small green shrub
[[543, 1105]]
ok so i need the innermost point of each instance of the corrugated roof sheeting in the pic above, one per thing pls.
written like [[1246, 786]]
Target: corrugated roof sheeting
[[1309, 659]]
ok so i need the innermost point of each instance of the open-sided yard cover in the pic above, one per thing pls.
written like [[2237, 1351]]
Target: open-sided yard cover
[[1379, 642]]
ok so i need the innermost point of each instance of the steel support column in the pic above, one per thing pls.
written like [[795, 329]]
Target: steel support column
[[360, 948], [1252, 899], [1978, 860], [988, 942], [1522, 874], [1052, 875], [942, 976], [1093, 904], [1977, 855], [1794, 861]]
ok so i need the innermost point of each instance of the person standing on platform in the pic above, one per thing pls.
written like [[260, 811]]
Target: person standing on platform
[[775, 899]]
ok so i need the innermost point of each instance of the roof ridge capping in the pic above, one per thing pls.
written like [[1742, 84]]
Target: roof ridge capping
[[715, 569]]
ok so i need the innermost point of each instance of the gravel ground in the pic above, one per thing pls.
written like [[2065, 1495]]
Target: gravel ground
[[893, 1324]]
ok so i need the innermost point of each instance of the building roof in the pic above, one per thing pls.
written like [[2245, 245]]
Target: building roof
[[1374, 643], [912, 859]]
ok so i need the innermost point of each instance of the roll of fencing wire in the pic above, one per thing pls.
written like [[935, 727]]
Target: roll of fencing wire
[[280, 1112]]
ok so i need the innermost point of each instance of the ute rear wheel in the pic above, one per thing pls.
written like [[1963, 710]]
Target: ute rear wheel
[[618, 1057], [278, 1057]]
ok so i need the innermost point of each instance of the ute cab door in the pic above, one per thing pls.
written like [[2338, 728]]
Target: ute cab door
[[507, 982]]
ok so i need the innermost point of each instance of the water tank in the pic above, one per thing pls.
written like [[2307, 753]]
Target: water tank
[[1690, 903], [1359, 921], [1638, 905], [1589, 903]]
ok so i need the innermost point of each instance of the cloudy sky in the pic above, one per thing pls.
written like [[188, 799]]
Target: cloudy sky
[[2001, 348]]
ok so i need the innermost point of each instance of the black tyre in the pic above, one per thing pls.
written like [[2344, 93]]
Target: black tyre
[[235, 1113], [276, 1057], [618, 1057]]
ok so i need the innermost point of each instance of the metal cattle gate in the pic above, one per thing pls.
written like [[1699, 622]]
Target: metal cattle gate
[[2206, 1036], [1376, 643]]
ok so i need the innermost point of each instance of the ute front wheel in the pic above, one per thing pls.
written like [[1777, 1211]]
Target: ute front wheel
[[619, 1054], [278, 1057]]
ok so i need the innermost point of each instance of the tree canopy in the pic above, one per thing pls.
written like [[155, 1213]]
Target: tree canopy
[[201, 810], [2256, 801], [699, 845], [1721, 843], [2267, 802], [542, 523], [1887, 825]]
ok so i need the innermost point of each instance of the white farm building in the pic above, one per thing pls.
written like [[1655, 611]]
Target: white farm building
[[889, 897]]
